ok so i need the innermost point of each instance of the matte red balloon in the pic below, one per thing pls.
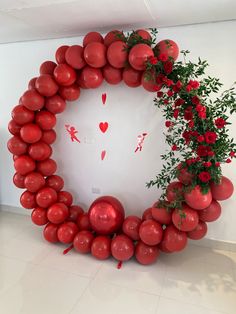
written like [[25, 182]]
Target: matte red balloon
[[45, 120], [139, 55], [223, 190], [112, 36], [46, 85], [24, 164], [211, 213], [47, 167], [183, 175], [162, 214], [34, 181], [13, 127], [75, 57], [64, 74], [148, 81], [199, 232], [27, 200], [83, 222], [32, 100], [95, 54], [147, 214], [40, 151], [150, 232], [60, 54], [46, 197], [167, 47], [132, 77], [49, 136], [55, 104], [101, 247], [146, 254], [185, 219], [55, 182], [112, 75], [92, 37], [74, 212], [21, 115], [30, 133], [196, 199], [31, 84], [57, 213], [131, 226], [174, 240], [174, 191], [47, 67], [92, 77], [70, 93], [65, 197], [163, 248], [16, 146], [39, 216], [18, 180], [66, 232], [117, 54], [122, 248], [83, 241], [144, 34], [50, 233]]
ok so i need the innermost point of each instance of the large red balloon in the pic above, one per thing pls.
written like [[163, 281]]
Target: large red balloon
[[70, 93], [83, 222], [75, 57], [132, 77], [117, 54], [46, 85], [112, 75], [92, 37], [47, 67], [21, 115], [167, 47], [144, 34], [223, 190], [40, 151], [122, 248], [146, 254], [18, 180], [174, 191], [45, 120], [95, 54], [131, 226], [64, 74], [67, 231], [65, 197], [199, 232], [24, 164], [32, 100], [91, 77], [55, 104], [49, 136], [16, 146], [185, 219], [39, 216], [13, 127], [162, 214], [148, 81], [196, 199], [101, 247], [139, 55], [46, 197], [47, 167], [112, 36], [57, 213], [34, 181], [50, 233], [27, 200], [30, 133], [150, 232], [55, 182], [211, 213], [106, 215], [60, 54], [174, 240], [83, 241], [74, 212], [147, 214]]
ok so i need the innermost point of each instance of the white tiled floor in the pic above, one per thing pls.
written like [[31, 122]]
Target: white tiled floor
[[36, 278]]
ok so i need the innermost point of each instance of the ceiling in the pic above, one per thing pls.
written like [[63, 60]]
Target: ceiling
[[22, 20]]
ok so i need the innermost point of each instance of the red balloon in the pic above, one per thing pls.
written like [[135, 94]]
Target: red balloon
[[13, 127], [144, 34], [47, 67], [32, 100], [150, 232], [167, 47], [31, 84], [27, 200], [83, 222], [148, 81], [47, 167], [45, 120], [66, 232], [46, 197], [196, 199], [199, 232], [55, 104], [174, 191], [183, 175], [106, 215], [131, 226], [49, 137], [83, 241], [92, 77], [74, 212], [34, 181], [122, 248], [92, 37], [30, 133], [117, 54], [185, 219], [39, 216], [14, 157], [70, 93], [162, 214], [147, 214], [211, 213], [50, 233], [57, 213], [223, 190], [24, 164], [95, 54], [132, 77], [174, 240], [18, 180], [65, 197], [21, 115], [60, 54], [40, 151], [112, 75], [55, 182], [113, 36], [146, 254], [16, 146], [163, 247], [80, 81], [139, 55], [75, 57], [101, 247], [64, 74], [46, 85]]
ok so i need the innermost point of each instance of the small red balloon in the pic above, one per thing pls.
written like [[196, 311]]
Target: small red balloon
[[148, 81], [131, 226], [39, 216], [174, 191], [24, 164], [55, 104], [66, 232], [45, 120], [183, 175], [211, 213], [83, 222], [13, 127], [31, 84], [144, 34], [70, 93], [95, 54], [91, 77], [112, 75], [83, 241], [34, 181], [147, 214], [47, 67], [32, 100], [150, 232], [46, 85], [223, 190], [199, 232], [132, 77], [50, 233], [27, 200], [65, 197], [117, 54], [40, 151], [55, 182], [64, 74], [146, 254], [16, 146], [101, 247], [60, 54], [185, 219], [167, 47], [74, 212], [196, 199], [75, 57], [18, 180], [174, 240], [57, 213], [46, 197], [113, 36], [49, 136], [139, 55], [30, 133], [92, 37], [47, 167], [122, 248], [162, 214], [21, 115]]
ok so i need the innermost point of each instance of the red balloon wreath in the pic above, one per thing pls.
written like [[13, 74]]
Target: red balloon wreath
[[196, 130]]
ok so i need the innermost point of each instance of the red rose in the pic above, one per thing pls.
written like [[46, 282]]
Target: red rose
[[168, 82], [160, 78], [207, 164], [232, 154], [163, 57], [202, 115], [203, 150], [217, 164], [153, 60], [179, 84], [210, 137], [166, 101], [168, 124], [168, 67], [204, 176], [170, 93], [194, 84], [194, 133], [211, 153], [188, 115], [179, 102], [157, 87], [188, 88], [174, 147], [200, 138], [228, 160], [200, 108], [220, 123], [176, 113], [159, 94], [195, 100], [191, 124]]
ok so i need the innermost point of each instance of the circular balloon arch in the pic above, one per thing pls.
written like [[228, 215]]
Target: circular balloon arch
[[187, 205]]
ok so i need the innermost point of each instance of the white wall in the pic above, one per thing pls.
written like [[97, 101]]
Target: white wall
[[128, 111]]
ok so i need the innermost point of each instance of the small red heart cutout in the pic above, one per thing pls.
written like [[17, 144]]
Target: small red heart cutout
[[104, 98], [103, 154], [103, 126]]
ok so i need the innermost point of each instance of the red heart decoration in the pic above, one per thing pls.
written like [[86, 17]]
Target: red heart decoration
[[104, 98], [103, 154], [103, 126]]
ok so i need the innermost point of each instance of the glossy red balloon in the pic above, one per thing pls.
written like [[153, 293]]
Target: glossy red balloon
[[31, 84], [163, 247], [32, 100], [24, 164], [47, 67], [60, 54], [40, 151], [55, 182], [75, 57], [55, 104], [131, 226], [196, 199], [47, 167], [50, 233], [144, 34], [74, 212], [34, 181], [117, 54], [112, 36], [46, 197], [49, 136], [95, 54], [150, 232], [185, 219], [66, 232], [167, 47], [146, 254], [147, 214], [211, 213], [101, 247], [16, 146], [83, 222], [46, 85], [112, 75], [21, 115], [30, 133], [64, 74], [27, 200], [92, 37], [39, 216], [18, 180], [13, 127], [83, 241], [70, 93], [106, 215], [139, 55], [174, 240], [174, 191], [162, 214], [45, 120], [57, 213], [148, 81], [183, 175], [132, 77], [223, 190], [65, 197], [199, 232], [92, 77], [122, 248]]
